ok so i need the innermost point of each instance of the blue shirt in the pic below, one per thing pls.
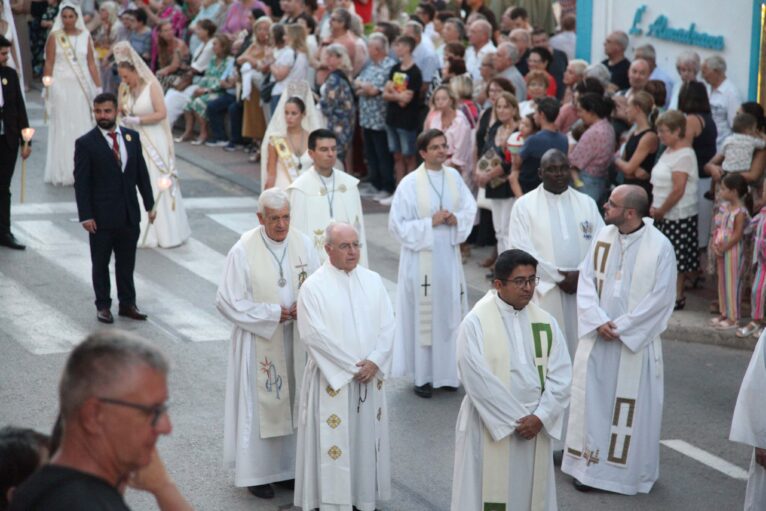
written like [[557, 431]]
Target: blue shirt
[[532, 152], [372, 109]]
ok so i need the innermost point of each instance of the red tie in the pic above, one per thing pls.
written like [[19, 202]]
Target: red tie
[[116, 148]]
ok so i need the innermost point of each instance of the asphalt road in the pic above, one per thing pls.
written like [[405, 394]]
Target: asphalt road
[[46, 306]]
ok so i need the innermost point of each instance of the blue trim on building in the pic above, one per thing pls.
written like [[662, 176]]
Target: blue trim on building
[[585, 29], [755, 50]]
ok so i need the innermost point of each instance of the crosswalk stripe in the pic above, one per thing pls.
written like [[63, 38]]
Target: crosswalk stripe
[[198, 258], [194, 203], [38, 327], [167, 311]]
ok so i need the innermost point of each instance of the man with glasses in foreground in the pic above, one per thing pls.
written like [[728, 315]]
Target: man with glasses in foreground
[[346, 321], [113, 402], [625, 297], [514, 365]]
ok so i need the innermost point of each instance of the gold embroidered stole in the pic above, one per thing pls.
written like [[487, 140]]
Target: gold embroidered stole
[[629, 372], [71, 57], [425, 256], [496, 455], [285, 157], [272, 373]]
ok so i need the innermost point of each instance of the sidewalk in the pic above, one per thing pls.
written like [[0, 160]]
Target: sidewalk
[[688, 325]]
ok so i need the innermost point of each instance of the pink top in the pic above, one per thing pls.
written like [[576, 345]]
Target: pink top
[[567, 117], [459, 139], [595, 150], [236, 16]]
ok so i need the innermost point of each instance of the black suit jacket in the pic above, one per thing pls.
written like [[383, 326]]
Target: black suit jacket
[[104, 192], [13, 113]]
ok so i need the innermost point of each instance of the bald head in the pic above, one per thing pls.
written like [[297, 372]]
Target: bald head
[[338, 230], [638, 74], [342, 246], [634, 197], [553, 157]]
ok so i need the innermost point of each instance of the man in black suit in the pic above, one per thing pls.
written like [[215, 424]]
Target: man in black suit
[[13, 118], [108, 166]]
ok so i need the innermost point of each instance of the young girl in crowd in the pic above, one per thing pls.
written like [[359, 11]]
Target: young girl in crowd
[[728, 242], [736, 153], [758, 291], [527, 128]]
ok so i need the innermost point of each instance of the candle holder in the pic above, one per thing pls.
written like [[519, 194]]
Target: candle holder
[[26, 135]]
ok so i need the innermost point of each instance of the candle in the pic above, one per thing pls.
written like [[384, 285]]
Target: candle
[[27, 134], [47, 81], [164, 182]]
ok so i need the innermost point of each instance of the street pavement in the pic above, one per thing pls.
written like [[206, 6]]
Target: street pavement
[[46, 307]]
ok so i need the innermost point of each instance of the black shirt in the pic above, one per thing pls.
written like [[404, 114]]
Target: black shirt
[[630, 147], [56, 488], [619, 73], [405, 79], [704, 143]]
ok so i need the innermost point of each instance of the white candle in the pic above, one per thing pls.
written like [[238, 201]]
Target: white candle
[[27, 134], [47, 81], [164, 182]]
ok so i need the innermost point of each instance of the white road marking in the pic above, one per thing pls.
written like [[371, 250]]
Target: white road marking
[[198, 258], [166, 310], [38, 327], [47, 208], [706, 458]]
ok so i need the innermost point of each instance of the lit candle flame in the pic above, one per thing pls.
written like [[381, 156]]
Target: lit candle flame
[[47, 81], [164, 182], [27, 134]]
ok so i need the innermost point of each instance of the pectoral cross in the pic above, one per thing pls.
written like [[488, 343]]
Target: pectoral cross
[[302, 275], [425, 285]]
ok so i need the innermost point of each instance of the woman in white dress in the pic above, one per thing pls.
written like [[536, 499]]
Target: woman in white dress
[[284, 153], [8, 30], [70, 60], [141, 104]]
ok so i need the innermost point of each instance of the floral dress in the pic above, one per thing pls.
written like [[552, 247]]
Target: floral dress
[[212, 81], [338, 107]]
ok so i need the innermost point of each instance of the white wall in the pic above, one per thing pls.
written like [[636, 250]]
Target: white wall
[[731, 19]]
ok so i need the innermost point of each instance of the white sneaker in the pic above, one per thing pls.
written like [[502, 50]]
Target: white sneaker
[[219, 143], [381, 195], [387, 201], [368, 191]]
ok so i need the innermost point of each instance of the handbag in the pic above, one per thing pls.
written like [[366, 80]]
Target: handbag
[[486, 163]]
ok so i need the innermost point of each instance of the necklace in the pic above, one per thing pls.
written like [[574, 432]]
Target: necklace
[[282, 280], [330, 197], [292, 149], [440, 194]]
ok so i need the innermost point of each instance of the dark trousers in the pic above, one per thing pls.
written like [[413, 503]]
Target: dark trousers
[[380, 161], [9, 151], [122, 241], [216, 111]]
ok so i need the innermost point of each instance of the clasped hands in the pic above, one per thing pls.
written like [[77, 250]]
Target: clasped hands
[[289, 313], [367, 371], [443, 217], [608, 331], [569, 284], [528, 427]]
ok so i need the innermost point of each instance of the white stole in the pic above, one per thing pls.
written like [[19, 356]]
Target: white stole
[[542, 240], [274, 410], [496, 455], [629, 371], [425, 256]]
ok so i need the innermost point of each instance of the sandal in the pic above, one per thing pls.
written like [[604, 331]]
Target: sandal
[[199, 141], [182, 138], [680, 304], [725, 325], [758, 333], [714, 322], [747, 330]]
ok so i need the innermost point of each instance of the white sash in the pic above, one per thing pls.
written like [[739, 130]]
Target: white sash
[[71, 57], [274, 410], [425, 256], [629, 372], [496, 455]]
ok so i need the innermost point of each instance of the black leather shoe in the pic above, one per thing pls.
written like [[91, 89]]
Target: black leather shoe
[[262, 491], [132, 312], [425, 391], [289, 484], [581, 487], [105, 316], [10, 241], [449, 389]]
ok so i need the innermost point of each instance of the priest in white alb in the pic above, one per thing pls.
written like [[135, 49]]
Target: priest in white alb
[[625, 297], [431, 215], [346, 321], [556, 224], [749, 426], [264, 271], [516, 371], [322, 195]]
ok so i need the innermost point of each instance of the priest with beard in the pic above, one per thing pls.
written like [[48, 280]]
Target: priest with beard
[[263, 274], [346, 321], [515, 368], [625, 296], [431, 215]]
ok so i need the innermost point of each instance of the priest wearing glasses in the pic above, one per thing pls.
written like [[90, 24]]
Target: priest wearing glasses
[[264, 272]]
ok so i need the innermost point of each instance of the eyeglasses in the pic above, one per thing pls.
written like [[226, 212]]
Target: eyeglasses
[[521, 282], [154, 411], [348, 246]]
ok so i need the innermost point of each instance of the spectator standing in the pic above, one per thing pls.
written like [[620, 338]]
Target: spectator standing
[[480, 44], [641, 148], [724, 96], [688, 66], [674, 207], [369, 87], [537, 86], [638, 76], [291, 62], [521, 38], [615, 46], [538, 144], [446, 117], [453, 31], [506, 57], [141, 36], [566, 40], [647, 52], [402, 94], [540, 59], [253, 64], [593, 153], [337, 100], [478, 7], [558, 62], [424, 54]]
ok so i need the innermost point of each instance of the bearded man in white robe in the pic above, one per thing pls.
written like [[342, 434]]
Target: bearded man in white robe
[[625, 297], [346, 321], [322, 195], [749, 426], [431, 215], [556, 224], [515, 368], [258, 294]]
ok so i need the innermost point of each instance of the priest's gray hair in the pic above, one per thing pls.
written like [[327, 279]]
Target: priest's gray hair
[[100, 365], [331, 228], [273, 198]]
